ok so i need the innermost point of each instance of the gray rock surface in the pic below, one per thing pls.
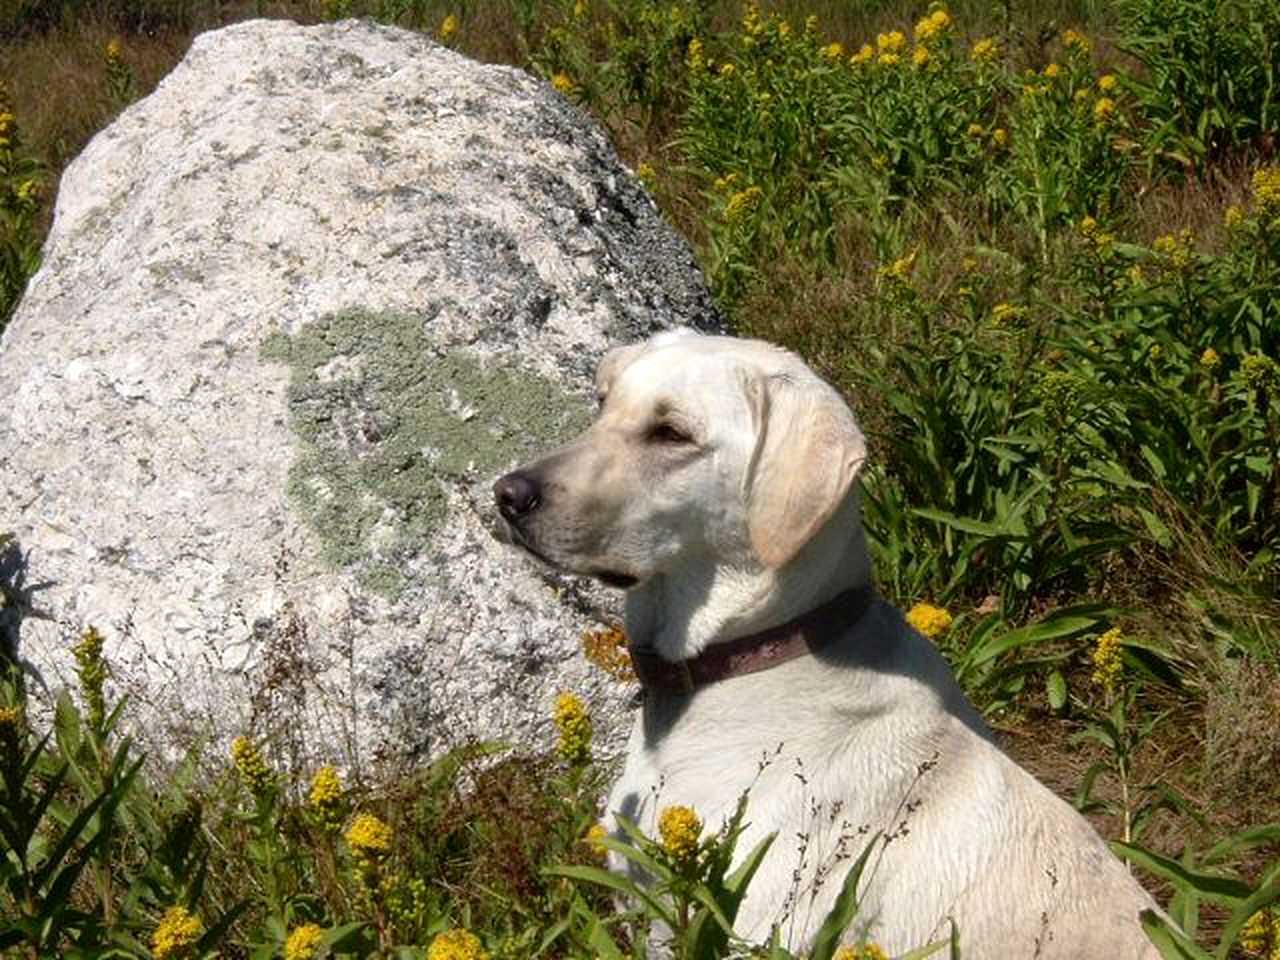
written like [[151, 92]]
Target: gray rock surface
[[299, 307]]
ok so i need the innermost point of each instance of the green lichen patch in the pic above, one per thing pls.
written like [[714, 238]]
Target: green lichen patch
[[385, 420]]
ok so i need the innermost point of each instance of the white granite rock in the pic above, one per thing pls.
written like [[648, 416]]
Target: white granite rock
[[298, 308]]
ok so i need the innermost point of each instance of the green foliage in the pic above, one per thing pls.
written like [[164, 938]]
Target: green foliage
[[20, 182]]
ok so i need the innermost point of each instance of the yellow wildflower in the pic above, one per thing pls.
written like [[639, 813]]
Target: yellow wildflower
[[933, 25], [92, 671], [900, 269], [864, 55], [115, 50], [580, 9], [1177, 250], [1104, 109], [811, 24], [369, 838], [727, 69], [595, 834], [889, 59], [1108, 82], [929, 620], [175, 934], [920, 56], [303, 942], [1259, 371], [891, 42], [325, 798], [984, 51], [574, 724], [832, 51], [1076, 42], [1266, 191], [1101, 240], [646, 174], [752, 22], [448, 27], [679, 829], [742, 203], [607, 649], [1233, 217], [1107, 662], [456, 944], [1007, 314], [1210, 359], [1081, 96], [11, 724], [976, 130], [1000, 136], [1051, 71], [869, 951], [697, 56], [253, 769], [562, 82], [26, 192]]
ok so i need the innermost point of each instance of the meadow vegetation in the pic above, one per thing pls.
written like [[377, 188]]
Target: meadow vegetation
[[1037, 246]]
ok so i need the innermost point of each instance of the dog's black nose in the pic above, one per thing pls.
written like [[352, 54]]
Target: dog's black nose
[[517, 494]]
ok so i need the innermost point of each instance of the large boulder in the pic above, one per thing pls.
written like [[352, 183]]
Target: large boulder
[[299, 307]]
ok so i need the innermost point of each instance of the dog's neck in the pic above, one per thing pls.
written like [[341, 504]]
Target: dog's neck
[[683, 612]]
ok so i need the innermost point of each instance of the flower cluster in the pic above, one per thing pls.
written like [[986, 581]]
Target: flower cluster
[[868, 951], [984, 51], [448, 27], [607, 649], [303, 942], [574, 724], [1176, 250], [929, 620], [932, 26], [1260, 935], [1107, 662], [92, 671], [369, 839], [325, 799], [175, 934], [1099, 239], [1210, 359], [678, 831], [456, 944], [1259, 371], [255, 773], [742, 203]]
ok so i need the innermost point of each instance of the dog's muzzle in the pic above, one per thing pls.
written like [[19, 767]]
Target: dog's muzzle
[[517, 495]]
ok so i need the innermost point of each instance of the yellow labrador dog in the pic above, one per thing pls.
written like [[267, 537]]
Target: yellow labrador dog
[[718, 486]]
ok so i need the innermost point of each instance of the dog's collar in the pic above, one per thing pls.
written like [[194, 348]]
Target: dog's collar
[[751, 654]]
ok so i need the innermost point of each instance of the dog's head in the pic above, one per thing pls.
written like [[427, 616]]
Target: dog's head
[[713, 448]]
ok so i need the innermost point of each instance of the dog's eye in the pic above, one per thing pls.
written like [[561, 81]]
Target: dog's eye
[[668, 433]]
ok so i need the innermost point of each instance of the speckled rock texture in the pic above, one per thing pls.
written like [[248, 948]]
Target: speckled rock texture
[[299, 308]]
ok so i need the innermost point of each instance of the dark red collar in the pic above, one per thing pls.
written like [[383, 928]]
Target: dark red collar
[[759, 651]]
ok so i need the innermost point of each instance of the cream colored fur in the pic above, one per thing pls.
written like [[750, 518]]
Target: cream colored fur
[[721, 477]]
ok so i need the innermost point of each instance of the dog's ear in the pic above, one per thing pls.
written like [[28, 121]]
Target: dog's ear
[[808, 452]]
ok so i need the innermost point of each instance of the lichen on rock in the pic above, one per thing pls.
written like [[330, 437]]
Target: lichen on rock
[[385, 417]]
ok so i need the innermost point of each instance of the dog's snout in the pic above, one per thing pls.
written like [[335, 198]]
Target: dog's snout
[[516, 494]]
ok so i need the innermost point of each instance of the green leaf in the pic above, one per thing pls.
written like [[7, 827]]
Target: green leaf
[[1172, 944], [845, 908], [1056, 690], [1219, 889], [617, 883]]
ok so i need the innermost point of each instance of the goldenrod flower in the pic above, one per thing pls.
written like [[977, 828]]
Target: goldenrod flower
[[369, 838], [1266, 191], [742, 203], [920, 56], [889, 59], [1081, 97], [175, 934], [811, 23], [456, 944], [595, 834], [727, 69], [1107, 662], [1000, 136], [1076, 42], [92, 671], [1258, 370], [932, 25], [11, 724], [900, 269], [114, 50], [696, 57], [574, 724], [325, 798], [1051, 71], [1007, 314], [976, 130], [1233, 217], [832, 51], [869, 951], [891, 42], [562, 82], [864, 55], [929, 620], [1108, 82], [984, 51], [303, 942], [679, 829], [253, 769], [1210, 359], [1177, 250], [1104, 109], [448, 27]]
